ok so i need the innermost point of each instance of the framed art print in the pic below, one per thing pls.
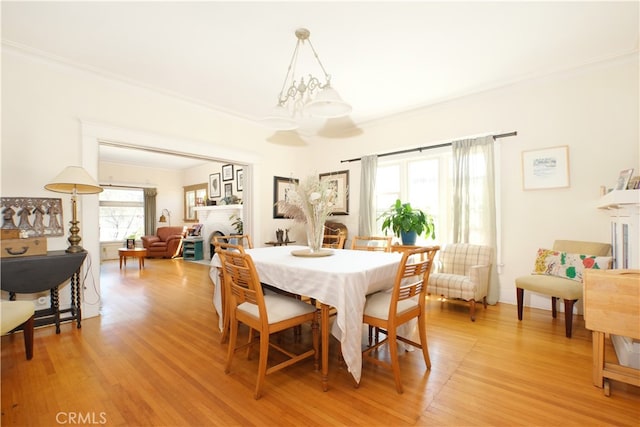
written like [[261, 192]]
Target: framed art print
[[214, 185], [623, 179], [340, 182], [227, 173], [239, 180], [545, 168], [281, 188], [228, 189]]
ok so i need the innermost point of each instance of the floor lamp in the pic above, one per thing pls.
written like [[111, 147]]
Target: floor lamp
[[163, 218], [74, 180]]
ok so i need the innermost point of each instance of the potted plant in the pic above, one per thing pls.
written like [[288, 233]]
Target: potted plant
[[237, 223], [407, 223]]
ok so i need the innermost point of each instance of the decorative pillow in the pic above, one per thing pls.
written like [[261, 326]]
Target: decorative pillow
[[568, 265]]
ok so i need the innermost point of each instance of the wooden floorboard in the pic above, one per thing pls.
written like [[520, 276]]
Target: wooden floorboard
[[154, 358]]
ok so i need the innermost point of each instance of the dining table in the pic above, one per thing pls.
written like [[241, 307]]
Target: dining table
[[341, 279]]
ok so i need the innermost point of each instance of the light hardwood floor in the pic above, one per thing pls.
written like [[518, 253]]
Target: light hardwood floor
[[154, 358]]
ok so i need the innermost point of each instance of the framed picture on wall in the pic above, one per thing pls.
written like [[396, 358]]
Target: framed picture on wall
[[340, 182], [227, 173], [239, 180], [545, 168], [281, 188], [623, 179], [214, 185], [228, 189]]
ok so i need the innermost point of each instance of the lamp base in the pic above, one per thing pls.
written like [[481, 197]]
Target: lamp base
[[74, 249]]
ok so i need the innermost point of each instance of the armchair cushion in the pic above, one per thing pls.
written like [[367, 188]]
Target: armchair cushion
[[567, 265]]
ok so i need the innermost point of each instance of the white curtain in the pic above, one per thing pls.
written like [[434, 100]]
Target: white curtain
[[367, 217], [474, 202]]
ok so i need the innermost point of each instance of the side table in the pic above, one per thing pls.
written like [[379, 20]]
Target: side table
[[139, 253], [33, 274]]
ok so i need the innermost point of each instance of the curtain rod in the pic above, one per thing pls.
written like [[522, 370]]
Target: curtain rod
[[430, 147]]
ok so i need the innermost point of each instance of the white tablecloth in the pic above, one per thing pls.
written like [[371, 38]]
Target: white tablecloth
[[342, 280]]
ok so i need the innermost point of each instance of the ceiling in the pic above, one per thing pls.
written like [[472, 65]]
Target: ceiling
[[385, 58]]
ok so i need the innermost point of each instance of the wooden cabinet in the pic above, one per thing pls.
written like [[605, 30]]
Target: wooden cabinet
[[192, 249], [612, 306]]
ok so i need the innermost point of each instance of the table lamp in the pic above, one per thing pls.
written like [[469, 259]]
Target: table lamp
[[74, 180]]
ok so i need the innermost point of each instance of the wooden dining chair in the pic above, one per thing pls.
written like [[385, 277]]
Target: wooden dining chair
[[243, 240], [264, 313], [387, 310], [225, 292], [372, 243]]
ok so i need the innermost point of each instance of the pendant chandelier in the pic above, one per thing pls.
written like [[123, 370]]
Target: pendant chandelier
[[305, 96]]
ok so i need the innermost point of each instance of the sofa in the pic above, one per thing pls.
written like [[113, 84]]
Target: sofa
[[166, 243]]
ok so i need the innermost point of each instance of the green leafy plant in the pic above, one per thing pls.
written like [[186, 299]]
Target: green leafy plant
[[402, 217], [237, 223]]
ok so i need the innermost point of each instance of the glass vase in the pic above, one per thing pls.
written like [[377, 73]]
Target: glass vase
[[315, 235]]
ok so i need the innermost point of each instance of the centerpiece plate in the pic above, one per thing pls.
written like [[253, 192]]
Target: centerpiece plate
[[309, 254]]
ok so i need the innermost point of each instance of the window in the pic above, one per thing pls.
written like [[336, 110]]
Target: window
[[423, 180], [194, 195], [121, 214]]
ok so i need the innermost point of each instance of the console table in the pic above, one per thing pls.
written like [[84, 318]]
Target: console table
[[32, 274]]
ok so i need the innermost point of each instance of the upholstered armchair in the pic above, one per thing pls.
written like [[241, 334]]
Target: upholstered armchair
[[167, 242], [463, 273], [558, 274]]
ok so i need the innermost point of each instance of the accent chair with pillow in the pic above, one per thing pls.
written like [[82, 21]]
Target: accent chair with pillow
[[558, 273]]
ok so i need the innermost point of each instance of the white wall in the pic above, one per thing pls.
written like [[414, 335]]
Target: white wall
[[593, 110]]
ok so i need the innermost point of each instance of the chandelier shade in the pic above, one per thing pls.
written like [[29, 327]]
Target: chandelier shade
[[305, 94], [328, 104]]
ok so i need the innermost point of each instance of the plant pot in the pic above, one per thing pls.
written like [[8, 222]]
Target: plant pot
[[408, 237]]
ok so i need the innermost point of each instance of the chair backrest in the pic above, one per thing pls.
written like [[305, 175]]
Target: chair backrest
[[165, 232], [237, 240], [335, 241], [579, 247], [458, 258], [241, 279], [371, 243], [412, 277]]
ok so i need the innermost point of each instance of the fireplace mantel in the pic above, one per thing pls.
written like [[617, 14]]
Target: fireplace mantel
[[205, 211], [216, 219]]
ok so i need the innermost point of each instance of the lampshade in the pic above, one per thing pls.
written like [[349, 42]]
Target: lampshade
[[279, 119], [74, 178], [164, 214], [328, 104]]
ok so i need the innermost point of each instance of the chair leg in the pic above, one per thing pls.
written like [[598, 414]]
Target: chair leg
[[520, 299], [422, 328], [393, 353], [249, 341], [472, 309], [27, 331], [262, 363], [233, 335], [554, 307], [484, 302], [568, 316]]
